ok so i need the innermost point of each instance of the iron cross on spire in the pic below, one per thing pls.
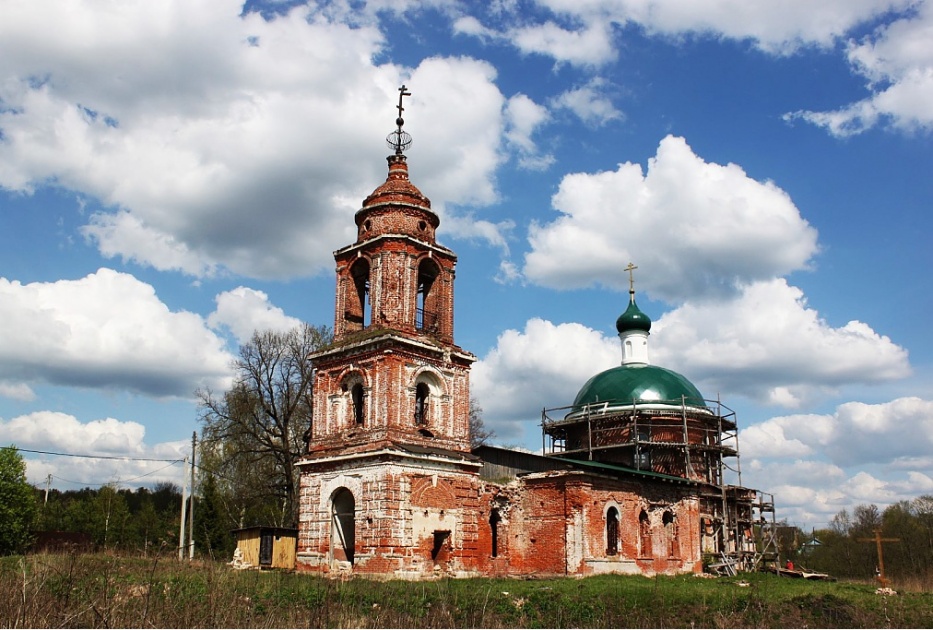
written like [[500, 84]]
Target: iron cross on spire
[[398, 139], [631, 277], [402, 93]]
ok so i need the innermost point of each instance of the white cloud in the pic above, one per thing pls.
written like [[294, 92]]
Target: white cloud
[[856, 434], [543, 366], [17, 391], [896, 59], [589, 103], [50, 430], [580, 32], [244, 310], [817, 464], [874, 433], [787, 436], [469, 25], [106, 330], [768, 344], [587, 45], [523, 117], [778, 28], [124, 441], [703, 229], [213, 140], [897, 63]]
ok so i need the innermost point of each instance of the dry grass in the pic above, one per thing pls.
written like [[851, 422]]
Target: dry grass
[[105, 591]]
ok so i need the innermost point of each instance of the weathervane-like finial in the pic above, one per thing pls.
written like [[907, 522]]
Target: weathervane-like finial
[[398, 139], [631, 279]]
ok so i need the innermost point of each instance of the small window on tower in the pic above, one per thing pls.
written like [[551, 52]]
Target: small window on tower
[[422, 392], [426, 311], [357, 394]]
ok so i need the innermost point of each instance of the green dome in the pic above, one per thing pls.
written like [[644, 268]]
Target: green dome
[[637, 382], [633, 319]]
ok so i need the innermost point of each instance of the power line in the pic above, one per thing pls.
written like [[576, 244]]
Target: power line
[[116, 457]]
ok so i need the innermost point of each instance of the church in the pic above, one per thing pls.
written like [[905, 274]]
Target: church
[[631, 478]]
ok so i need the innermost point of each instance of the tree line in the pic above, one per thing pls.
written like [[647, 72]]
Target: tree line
[[848, 549]]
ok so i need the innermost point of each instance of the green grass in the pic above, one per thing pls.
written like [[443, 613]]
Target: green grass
[[106, 591]]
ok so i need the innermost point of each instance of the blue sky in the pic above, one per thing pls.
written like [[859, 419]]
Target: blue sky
[[176, 174]]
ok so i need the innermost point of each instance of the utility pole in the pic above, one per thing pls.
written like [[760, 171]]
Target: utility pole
[[878, 540], [194, 442], [184, 505], [48, 484]]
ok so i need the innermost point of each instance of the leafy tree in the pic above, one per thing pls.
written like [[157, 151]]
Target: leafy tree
[[254, 434], [17, 502], [109, 515], [479, 434]]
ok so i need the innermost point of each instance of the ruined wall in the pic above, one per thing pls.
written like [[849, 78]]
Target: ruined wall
[[411, 519], [556, 523]]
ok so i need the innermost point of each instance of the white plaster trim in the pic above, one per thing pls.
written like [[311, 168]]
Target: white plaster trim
[[385, 451]]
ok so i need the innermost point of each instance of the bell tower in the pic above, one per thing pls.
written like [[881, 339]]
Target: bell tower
[[393, 373], [388, 484]]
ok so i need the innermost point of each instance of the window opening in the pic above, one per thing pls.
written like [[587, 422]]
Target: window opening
[[439, 552], [357, 395], [670, 530], [422, 391], [494, 519], [359, 311], [644, 530], [612, 532], [426, 315]]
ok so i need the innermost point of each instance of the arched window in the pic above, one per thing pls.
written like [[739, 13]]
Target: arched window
[[494, 519], [358, 311], [422, 394], [343, 525], [670, 532], [644, 535], [356, 393], [426, 313], [612, 531]]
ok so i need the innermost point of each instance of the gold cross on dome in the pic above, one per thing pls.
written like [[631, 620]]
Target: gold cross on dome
[[631, 277]]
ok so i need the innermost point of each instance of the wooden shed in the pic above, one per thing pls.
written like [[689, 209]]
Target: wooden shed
[[267, 547]]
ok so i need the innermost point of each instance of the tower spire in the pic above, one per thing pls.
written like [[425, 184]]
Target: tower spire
[[399, 139]]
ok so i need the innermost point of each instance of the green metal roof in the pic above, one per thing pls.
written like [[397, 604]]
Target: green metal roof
[[639, 383], [633, 319]]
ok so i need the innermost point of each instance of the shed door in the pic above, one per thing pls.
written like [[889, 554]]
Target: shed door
[[265, 549]]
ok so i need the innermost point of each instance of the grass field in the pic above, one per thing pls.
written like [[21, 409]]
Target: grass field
[[105, 591]]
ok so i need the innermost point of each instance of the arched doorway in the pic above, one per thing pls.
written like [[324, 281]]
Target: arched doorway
[[343, 526]]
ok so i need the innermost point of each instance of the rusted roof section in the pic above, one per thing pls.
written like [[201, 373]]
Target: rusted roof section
[[397, 187]]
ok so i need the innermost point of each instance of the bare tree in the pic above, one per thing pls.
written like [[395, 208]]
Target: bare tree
[[479, 434], [254, 434]]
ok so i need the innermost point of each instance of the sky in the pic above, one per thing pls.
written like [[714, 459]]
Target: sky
[[177, 174]]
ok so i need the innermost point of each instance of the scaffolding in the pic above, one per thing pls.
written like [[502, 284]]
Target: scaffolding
[[692, 439]]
